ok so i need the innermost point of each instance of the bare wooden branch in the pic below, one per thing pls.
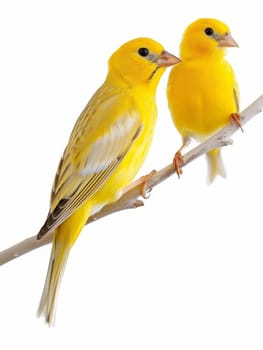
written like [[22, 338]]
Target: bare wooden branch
[[130, 198]]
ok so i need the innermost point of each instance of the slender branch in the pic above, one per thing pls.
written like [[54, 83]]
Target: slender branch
[[130, 198]]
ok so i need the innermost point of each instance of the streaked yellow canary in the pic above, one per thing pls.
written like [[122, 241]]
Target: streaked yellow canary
[[106, 148], [202, 90]]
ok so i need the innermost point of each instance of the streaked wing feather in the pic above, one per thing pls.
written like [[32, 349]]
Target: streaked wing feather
[[95, 175], [103, 103]]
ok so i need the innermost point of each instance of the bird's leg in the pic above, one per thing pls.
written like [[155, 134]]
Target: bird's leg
[[235, 118], [178, 159]]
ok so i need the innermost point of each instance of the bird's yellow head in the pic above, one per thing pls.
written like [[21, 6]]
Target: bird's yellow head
[[140, 61], [205, 37]]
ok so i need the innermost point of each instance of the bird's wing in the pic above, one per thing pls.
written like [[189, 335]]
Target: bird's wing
[[96, 148]]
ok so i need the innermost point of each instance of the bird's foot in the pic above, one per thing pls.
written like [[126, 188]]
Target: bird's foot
[[178, 161], [143, 181], [145, 191], [235, 118]]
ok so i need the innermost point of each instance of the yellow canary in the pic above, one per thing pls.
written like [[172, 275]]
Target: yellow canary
[[202, 90], [106, 148]]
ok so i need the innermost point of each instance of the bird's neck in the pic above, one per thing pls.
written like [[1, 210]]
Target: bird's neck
[[217, 54], [147, 86]]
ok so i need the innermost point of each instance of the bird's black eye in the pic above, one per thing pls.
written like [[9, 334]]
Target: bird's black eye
[[209, 31], [143, 52]]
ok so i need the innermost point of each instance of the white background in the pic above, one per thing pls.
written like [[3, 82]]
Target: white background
[[184, 272]]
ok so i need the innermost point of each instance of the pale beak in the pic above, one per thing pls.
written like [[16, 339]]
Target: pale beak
[[166, 59], [226, 41]]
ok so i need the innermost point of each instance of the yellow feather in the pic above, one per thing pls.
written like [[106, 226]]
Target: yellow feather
[[106, 148], [202, 90]]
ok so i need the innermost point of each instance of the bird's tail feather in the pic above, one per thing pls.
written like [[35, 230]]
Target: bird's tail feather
[[215, 165], [57, 264]]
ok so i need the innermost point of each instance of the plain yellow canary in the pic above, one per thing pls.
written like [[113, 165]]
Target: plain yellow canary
[[106, 148], [202, 90]]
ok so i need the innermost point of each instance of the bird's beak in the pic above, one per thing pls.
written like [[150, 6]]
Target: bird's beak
[[226, 41], [166, 59]]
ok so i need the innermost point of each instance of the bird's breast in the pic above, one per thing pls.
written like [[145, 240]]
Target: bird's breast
[[201, 97]]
